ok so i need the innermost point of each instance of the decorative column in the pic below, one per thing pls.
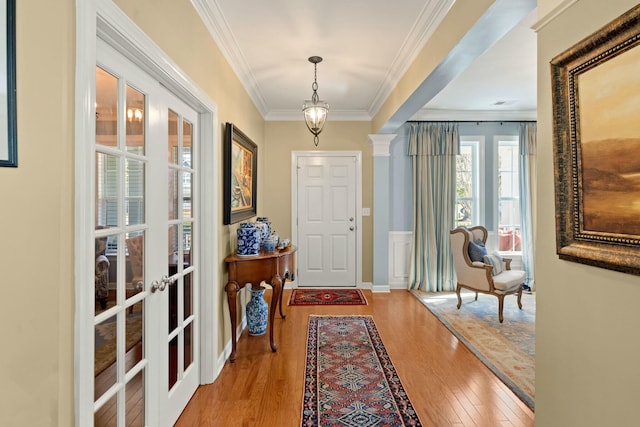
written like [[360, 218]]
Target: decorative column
[[381, 210]]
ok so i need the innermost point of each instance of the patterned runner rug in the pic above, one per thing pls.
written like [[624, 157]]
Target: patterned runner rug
[[327, 297], [350, 380], [507, 348]]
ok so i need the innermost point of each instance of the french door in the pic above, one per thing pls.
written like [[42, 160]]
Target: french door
[[327, 221], [146, 345]]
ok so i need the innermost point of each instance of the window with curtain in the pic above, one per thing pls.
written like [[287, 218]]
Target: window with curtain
[[487, 187]]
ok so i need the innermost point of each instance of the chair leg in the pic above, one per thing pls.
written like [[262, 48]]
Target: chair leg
[[520, 298], [500, 306], [476, 296], [458, 294]]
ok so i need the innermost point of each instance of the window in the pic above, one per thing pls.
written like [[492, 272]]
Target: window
[[508, 193], [500, 189], [468, 188]]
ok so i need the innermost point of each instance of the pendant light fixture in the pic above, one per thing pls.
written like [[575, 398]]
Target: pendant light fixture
[[315, 110]]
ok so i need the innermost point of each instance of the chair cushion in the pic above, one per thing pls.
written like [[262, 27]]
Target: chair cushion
[[508, 280], [494, 260], [477, 251]]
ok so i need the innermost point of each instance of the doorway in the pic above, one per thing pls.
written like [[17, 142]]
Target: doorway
[[146, 194], [326, 213]]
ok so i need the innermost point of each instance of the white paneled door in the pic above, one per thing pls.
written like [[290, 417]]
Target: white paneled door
[[146, 349], [327, 221]]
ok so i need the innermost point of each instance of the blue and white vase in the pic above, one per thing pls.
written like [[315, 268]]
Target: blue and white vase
[[266, 232], [257, 310], [248, 239]]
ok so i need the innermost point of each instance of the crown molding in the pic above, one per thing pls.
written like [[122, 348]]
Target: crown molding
[[427, 22], [553, 14], [334, 115], [214, 20]]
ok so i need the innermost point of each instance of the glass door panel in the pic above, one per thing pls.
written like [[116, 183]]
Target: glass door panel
[[182, 326], [120, 363]]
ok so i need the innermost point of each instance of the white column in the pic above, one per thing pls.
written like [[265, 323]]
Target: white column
[[381, 204]]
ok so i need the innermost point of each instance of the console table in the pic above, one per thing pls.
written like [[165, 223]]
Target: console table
[[274, 268]]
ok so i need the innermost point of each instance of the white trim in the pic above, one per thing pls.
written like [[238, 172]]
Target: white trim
[[213, 18], [334, 115], [380, 143], [426, 24], [399, 257], [84, 211], [357, 155], [553, 14], [104, 18]]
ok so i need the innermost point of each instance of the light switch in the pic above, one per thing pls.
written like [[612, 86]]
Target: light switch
[[366, 211]]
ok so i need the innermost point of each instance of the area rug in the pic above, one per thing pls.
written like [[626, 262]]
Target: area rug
[[105, 339], [350, 379], [327, 297], [507, 348]]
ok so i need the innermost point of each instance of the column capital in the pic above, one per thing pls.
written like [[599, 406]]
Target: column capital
[[380, 143]]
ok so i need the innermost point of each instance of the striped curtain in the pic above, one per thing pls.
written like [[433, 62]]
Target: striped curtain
[[433, 148], [528, 142]]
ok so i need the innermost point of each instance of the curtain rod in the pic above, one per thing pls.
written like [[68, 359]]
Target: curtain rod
[[471, 121]]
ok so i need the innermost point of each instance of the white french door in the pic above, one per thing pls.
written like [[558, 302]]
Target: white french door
[[327, 220], [146, 350]]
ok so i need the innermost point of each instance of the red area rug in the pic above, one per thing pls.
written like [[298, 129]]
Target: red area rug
[[349, 379], [327, 297]]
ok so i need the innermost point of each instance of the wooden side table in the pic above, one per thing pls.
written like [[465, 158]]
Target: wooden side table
[[274, 268]]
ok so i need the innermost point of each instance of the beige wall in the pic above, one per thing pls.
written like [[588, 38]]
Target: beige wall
[[281, 138], [36, 224], [587, 351]]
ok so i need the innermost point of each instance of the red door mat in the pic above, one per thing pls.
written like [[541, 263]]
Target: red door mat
[[327, 297]]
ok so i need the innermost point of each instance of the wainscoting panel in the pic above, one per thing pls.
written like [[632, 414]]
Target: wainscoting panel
[[399, 257]]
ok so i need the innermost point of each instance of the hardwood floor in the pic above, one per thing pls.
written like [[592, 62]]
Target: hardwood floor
[[446, 383]]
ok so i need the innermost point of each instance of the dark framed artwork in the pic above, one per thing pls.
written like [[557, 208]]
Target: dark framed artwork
[[240, 175], [8, 136], [596, 116]]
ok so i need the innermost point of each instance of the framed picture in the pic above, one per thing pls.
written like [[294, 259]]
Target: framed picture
[[8, 137], [595, 90], [240, 175]]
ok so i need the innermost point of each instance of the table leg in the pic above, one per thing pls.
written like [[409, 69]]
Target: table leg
[[276, 284], [232, 290], [284, 281]]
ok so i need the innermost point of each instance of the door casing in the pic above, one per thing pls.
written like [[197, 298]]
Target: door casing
[[101, 18]]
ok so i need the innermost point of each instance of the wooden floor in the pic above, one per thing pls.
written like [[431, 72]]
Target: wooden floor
[[446, 383]]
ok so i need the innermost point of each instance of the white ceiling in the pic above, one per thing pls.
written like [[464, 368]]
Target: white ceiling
[[367, 46]]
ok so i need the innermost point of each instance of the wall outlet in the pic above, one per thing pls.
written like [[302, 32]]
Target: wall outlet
[[366, 211]]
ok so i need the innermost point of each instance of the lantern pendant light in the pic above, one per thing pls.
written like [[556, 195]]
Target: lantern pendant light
[[315, 110]]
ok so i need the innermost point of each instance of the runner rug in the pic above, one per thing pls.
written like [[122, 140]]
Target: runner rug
[[327, 297], [349, 379], [507, 349]]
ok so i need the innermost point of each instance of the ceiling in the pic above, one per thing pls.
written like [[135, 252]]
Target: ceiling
[[367, 46]]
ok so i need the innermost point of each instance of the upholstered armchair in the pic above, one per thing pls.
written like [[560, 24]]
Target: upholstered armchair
[[488, 274]]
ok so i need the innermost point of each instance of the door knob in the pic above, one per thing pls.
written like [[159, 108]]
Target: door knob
[[162, 285], [352, 228], [351, 219]]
